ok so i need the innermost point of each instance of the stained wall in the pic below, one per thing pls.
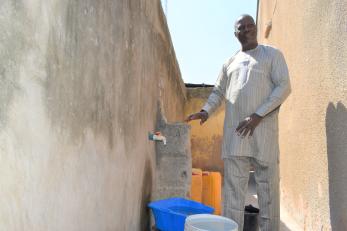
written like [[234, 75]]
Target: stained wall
[[206, 139], [81, 83]]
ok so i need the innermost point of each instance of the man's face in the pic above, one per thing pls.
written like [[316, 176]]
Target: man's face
[[246, 30]]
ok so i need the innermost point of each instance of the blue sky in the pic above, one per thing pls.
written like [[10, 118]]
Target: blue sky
[[202, 34]]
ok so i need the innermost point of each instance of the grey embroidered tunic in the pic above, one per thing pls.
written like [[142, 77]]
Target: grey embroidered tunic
[[254, 81]]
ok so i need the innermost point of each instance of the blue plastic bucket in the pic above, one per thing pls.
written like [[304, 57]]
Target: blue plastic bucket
[[170, 214]]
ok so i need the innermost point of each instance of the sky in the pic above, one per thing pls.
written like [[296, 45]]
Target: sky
[[202, 32]]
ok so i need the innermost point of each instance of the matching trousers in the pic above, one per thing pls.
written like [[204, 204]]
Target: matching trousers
[[236, 175]]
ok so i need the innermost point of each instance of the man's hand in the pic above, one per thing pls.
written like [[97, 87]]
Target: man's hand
[[202, 116], [248, 125]]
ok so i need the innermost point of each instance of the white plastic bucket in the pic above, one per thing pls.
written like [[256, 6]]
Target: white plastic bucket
[[207, 222]]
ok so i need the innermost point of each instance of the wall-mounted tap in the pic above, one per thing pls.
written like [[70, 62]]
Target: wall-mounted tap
[[157, 136]]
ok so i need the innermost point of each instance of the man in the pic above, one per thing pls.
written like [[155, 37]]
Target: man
[[254, 83]]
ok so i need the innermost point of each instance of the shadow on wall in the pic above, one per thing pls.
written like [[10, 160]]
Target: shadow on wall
[[336, 131], [146, 196]]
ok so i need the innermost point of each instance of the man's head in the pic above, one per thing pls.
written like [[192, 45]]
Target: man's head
[[246, 31]]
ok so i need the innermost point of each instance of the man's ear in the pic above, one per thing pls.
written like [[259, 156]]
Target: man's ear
[[235, 33]]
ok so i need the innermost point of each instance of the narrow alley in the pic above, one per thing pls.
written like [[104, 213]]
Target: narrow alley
[[90, 90]]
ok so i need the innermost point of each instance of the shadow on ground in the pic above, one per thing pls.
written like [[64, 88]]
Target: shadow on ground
[[283, 227]]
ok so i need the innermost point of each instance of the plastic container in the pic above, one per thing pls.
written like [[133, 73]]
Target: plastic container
[[196, 187], [170, 214], [212, 190], [205, 222], [251, 219]]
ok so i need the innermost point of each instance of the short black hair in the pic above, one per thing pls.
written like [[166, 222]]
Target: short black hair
[[241, 17]]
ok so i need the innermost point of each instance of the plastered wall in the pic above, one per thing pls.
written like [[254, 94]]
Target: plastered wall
[[206, 140], [312, 35], [80, 85]]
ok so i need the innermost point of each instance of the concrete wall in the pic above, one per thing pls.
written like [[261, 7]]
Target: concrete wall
[[313, 131], [79, 90], [173, 161], [206, 140]]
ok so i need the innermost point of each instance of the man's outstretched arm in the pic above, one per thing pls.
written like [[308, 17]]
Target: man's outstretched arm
[[214, 100]]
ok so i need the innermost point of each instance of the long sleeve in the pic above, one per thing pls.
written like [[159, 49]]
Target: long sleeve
[[280, 78], [218, 93]]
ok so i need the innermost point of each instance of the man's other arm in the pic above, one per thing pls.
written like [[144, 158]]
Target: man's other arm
[[280, 77]]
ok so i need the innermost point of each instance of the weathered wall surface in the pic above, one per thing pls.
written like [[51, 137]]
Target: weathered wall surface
[[312, 35], [79, 90], [206, 140], [173, 161]]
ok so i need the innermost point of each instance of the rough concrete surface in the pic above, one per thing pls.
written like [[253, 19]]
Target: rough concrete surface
[[79, 86], [173, 161], [312, 35]]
